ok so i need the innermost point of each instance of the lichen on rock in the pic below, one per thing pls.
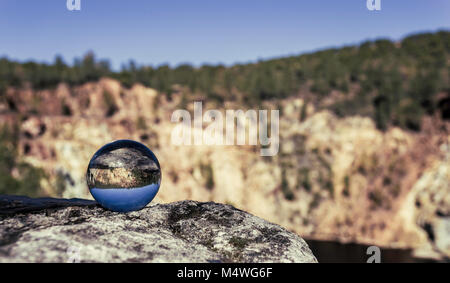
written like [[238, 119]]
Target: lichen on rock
[[58, 230]]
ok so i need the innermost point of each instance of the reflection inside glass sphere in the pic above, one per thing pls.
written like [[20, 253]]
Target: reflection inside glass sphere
[[124, 176]]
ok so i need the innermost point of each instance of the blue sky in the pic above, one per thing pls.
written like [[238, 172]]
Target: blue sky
[[204, 31]]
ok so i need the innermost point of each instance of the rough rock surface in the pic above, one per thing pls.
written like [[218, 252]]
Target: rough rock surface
[[58, 230]]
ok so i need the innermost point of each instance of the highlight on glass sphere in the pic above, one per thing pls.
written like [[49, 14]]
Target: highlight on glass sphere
[[124, 176]]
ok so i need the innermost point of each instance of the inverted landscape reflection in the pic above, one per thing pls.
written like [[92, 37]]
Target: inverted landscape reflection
[[124, 176], [123, 200]]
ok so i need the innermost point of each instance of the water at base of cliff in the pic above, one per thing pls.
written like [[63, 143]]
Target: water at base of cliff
[[335, 252]]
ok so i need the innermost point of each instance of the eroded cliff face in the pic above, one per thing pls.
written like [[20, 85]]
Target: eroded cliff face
[[334, 178]]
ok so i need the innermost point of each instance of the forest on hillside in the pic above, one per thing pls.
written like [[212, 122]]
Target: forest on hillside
[[395, 83]]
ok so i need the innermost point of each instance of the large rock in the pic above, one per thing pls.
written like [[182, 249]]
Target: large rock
[[59, 230]]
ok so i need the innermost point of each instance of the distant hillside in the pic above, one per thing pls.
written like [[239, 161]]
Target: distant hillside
[[333, 178], [393, 83]]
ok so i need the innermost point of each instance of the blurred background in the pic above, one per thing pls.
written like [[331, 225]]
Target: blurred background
[[364, 100]]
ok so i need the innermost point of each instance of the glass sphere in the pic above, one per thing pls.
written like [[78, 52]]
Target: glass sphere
[[123, 176]]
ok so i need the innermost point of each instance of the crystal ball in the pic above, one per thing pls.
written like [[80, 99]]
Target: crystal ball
[[124, 176]]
